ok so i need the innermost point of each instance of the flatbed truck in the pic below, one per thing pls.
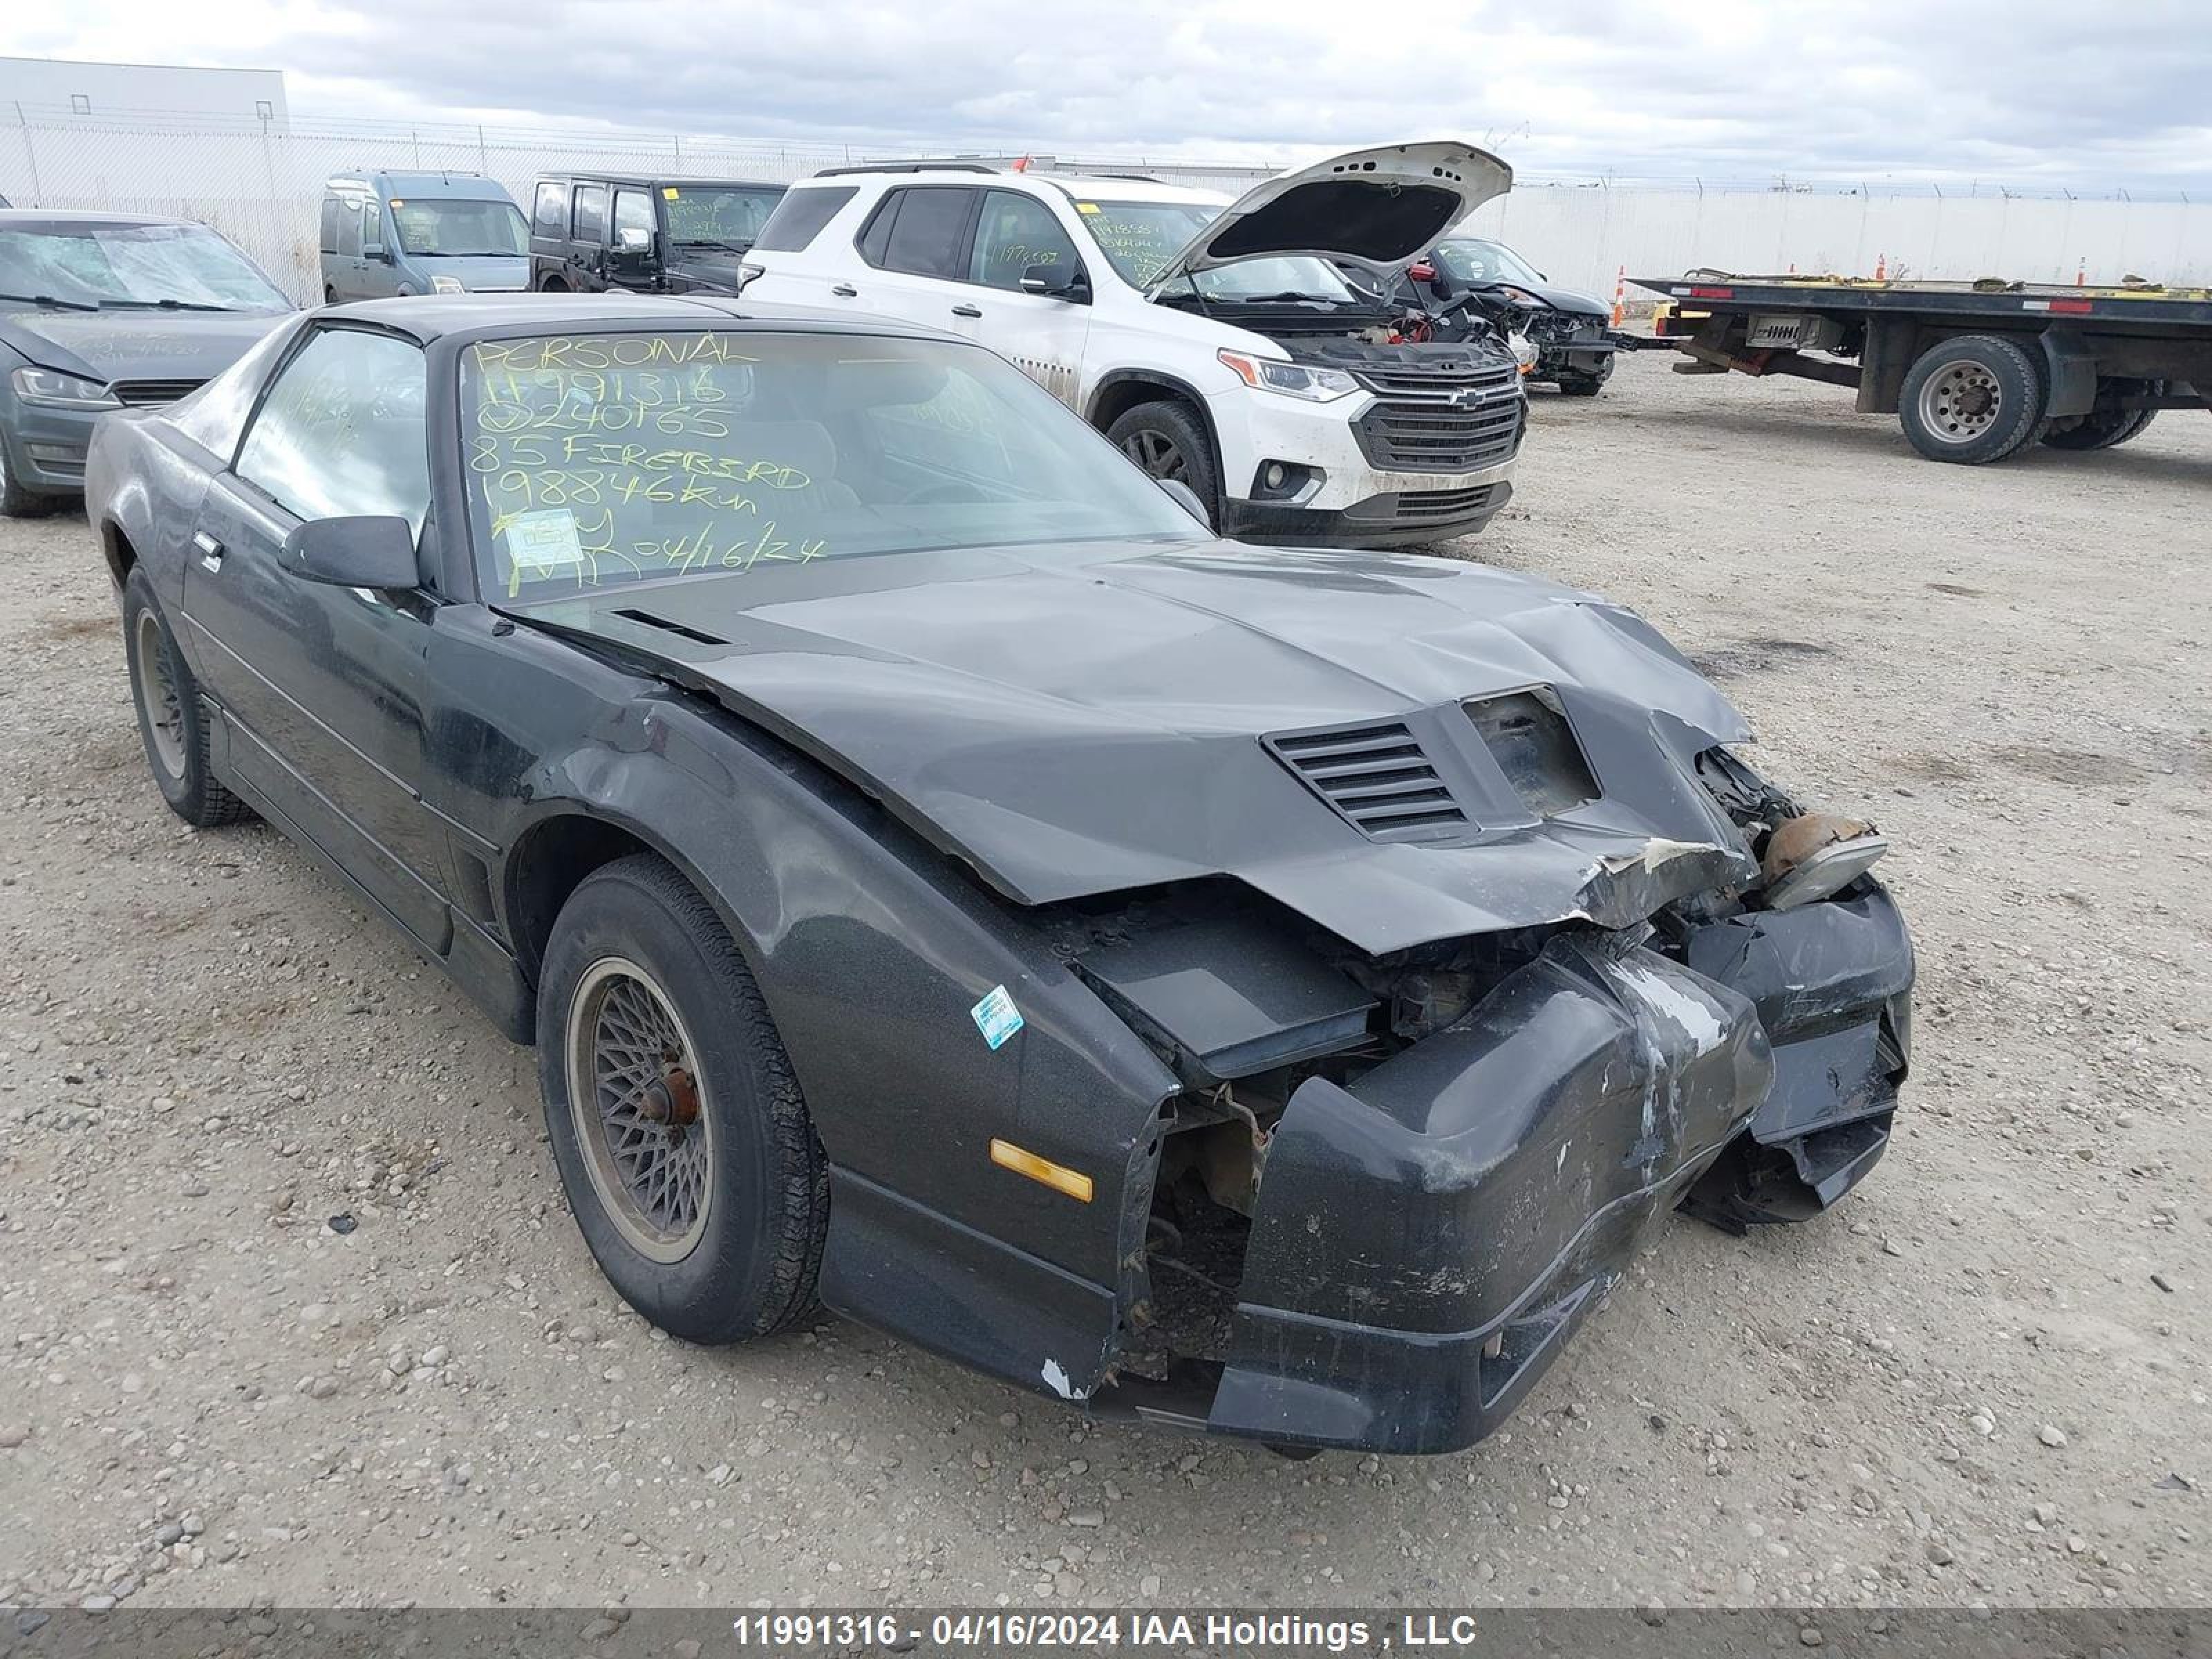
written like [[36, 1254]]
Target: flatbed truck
[[1974, 372]]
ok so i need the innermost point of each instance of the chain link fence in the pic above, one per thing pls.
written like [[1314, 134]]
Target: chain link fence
[[259, 184]]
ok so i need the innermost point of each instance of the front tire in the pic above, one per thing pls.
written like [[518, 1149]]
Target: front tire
[[16, 501], [173, 715], [1973, 400], [1168, 441], [686, 1151]]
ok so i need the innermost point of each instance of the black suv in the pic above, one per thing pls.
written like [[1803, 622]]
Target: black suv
[[590, 232]]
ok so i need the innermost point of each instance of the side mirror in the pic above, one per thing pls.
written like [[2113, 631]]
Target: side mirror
[[1057, 282], [1421, 271], [1186, 498], [634, 241], [369, 551]]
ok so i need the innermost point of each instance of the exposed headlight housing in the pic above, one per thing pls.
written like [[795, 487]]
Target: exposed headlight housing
[[448, 285], [50, 388], [1316, 385]]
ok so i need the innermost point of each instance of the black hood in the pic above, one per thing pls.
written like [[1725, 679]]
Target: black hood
[[1564, 299], [136, 344], [696, 268], [1079, 720]]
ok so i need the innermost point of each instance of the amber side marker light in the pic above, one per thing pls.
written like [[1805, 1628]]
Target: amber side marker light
[[1058, 1176]]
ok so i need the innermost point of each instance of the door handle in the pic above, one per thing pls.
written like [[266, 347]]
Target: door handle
[[210, 550], [843, 290], [967, 311]]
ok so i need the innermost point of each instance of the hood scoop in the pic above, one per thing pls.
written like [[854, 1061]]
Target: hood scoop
[[1376, 774]]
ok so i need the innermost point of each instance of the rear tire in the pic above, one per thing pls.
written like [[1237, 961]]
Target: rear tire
[[1168, 441], [172, 715], [686, 1151], [1580, 386], [2106, 428], [1971, 400], [16, 501]]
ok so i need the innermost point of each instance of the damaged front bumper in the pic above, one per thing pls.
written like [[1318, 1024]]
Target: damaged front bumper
[[1427, 1238]]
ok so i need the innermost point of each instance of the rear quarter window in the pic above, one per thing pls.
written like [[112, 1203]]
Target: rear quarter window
[[549, 208], [799, 217]]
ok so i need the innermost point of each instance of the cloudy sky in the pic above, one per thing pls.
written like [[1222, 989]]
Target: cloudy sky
[[2090, 96]]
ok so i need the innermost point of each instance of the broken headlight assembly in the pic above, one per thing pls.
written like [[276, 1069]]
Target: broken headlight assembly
[[51, 389], [1316, 385], [1804, 856]]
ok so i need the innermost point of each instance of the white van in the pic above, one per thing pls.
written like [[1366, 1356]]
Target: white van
[[1213, 340]]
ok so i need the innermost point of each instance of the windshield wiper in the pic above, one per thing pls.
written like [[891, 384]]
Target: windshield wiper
[[1279, 298], [172, 305], [710, 241], [54, 300]]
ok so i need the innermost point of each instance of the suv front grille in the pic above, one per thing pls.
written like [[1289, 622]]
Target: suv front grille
[[1376, 775], [146, 394], [1432, 434], [1438, 383]]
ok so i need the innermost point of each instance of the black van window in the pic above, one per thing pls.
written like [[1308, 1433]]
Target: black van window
[[591, 213], [549, 208], [799, 217], [929, 232]]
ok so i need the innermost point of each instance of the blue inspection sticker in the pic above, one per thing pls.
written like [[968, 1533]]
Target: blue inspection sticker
[[996, 1017]]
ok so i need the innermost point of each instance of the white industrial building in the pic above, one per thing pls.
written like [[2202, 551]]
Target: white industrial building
[[42, 87]]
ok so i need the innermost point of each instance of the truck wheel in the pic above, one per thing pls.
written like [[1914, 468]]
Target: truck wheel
[[1580, 386], [686, 1151], [2103, 429], [1973, 400], [173, 720], [1168, 442]]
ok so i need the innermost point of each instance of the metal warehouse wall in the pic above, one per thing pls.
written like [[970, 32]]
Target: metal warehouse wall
[[258, 184]]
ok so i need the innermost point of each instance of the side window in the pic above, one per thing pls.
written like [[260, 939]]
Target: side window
[[929, 236], [591, 221], [633, 212], [329, 242], [1017, 232], [799, 217], [347, 238], [549, 208], [341, 431], [372, 226]]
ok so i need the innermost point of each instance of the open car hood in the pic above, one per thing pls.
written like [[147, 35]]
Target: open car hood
[[1081, 720], [1380, 206]]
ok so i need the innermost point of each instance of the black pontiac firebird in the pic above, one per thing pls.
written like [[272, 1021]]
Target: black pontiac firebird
[[1258, 991]]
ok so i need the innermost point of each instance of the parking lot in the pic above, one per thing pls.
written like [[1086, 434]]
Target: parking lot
[[1983, 1379]]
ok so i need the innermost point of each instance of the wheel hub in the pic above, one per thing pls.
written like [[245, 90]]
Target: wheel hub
[[1961, 402]]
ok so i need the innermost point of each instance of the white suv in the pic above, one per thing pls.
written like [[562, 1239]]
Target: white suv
[[1215, 341]]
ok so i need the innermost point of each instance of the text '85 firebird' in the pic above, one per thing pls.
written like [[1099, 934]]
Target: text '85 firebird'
[[1254, 990]]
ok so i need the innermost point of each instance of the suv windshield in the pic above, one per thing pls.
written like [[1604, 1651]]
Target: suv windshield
[[1139, 238], [452, 229], [130, 266], [607, 457], [717, 215], [1471, 260]]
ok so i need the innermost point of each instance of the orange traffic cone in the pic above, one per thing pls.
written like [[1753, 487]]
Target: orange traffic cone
[[1621, 297], [2081, 272], [1882, 267]]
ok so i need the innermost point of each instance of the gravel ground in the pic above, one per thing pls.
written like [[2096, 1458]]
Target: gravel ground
[[1983, 1380]]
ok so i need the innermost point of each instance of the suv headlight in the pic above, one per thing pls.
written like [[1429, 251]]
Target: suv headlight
[[55, 389], [1316, 385]]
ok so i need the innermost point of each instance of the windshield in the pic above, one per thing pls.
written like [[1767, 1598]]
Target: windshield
[[1139, 238], [126, 265], [717, 215], [597, 460], [1472, 262], [452, 229]]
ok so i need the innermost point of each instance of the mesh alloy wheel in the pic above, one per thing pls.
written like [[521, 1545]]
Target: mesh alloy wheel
[[158, 699], [639, 1109]]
